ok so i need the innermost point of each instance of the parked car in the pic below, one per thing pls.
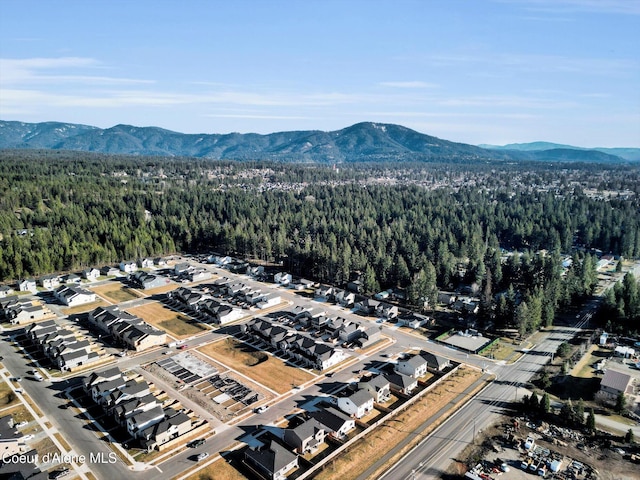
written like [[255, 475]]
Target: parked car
[[59, 473], [197, 443], [261, 409]]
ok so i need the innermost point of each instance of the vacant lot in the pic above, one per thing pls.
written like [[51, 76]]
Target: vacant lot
[[84, 308], [218, 470], [19, 414], [7, 396], [177, 325], [363, 454], [116, 292], [261, 367]]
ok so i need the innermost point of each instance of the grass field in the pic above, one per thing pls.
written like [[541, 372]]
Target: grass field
[[175, 324], [264, 369], [116, 292], [364, 453], [19, 414]]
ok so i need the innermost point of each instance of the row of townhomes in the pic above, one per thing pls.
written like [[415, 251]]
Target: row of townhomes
[[65, 348], [127, 329], [131, 403], [202, 306], [18, 310], [241, 292], [290, 342]]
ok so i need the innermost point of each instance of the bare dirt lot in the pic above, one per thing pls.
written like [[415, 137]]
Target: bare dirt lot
[[116, 292], [175, 324], [265, 369]]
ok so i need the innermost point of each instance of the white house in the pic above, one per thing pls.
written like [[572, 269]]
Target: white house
[[358, 404], [283, 278], [72, 295], [415, 366], [27, 285], [128, 267]]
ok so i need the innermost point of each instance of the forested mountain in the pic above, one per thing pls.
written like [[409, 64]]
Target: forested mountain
[[412, 226], [630, 154], [363, 142]]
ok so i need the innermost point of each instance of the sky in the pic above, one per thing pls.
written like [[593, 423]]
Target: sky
[[472, 71]]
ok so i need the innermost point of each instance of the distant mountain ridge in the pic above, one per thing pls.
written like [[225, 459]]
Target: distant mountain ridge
[[362, 142], [631, 154]]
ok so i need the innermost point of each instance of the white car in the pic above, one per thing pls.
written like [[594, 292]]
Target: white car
[[262, 409], [202, 456]]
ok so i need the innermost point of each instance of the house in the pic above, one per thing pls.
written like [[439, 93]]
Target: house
[[72, 295], [415, 366], [76, 358], [336, 423], [27, 285], [128, 267], [131, 389], [5, 291], [138, 335], [324, 291], [358, 404], [349, 332], [91, 273], [271, 460], [283, 278], [23, 311], [302, 284], [131, 406], [412, 320], [401, 383], [109, 271], [387, 311], [145, 262], [136, 424], [160, 262], [49, 281], [181, 268], [98, 377], [355, 286], [378, 386], [344, 298], [446, 298], [624, 352], [614, 383], [174, 425], [146, 280], [368, 306], [306, 437], [71, 278], [197, 275], [100, 390], [369, 336], [269, 300], [435, 363]]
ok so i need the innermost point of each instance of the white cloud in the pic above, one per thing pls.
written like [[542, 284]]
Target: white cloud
[[409, 84]]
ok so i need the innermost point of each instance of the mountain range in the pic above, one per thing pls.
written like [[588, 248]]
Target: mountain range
[[362, 142], [630, 154]]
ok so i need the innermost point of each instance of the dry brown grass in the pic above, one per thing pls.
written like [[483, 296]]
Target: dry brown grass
[[162, 289], [178, 325], [263, 368], [63, 442], [45, 446], [383, 439], [218, 470], [7, 396], [19, 414], [116, 292], [87, 307]]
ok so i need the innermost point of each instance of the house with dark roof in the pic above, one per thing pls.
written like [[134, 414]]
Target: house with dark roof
[[103, 376], [337, 424], [435, 362], [146, 281], [136, 424], [173, 426], [401, 383], [271, 460], [306, 437]]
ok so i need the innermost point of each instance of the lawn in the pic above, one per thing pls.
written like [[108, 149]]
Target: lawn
[[356, 460], [263, 368], [116, 292], [502, 350], [178, 325]]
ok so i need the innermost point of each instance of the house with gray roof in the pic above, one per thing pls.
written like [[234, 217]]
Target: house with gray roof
[[173, 426], [358, 404], [306, 437], [415, 366], [401, 383], [336, 423], [378, 386], [271, 460]]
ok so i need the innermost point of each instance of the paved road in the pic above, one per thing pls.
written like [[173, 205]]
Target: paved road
[[432, 457]]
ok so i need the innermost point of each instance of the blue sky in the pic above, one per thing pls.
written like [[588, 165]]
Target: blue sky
[[473, 71]]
